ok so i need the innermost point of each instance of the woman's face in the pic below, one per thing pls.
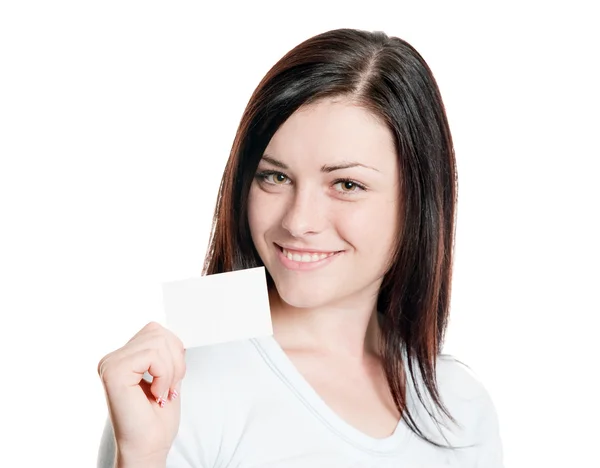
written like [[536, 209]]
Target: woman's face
[[324, 205]]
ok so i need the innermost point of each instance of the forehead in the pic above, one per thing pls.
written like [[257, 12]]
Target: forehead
[[333, 130]]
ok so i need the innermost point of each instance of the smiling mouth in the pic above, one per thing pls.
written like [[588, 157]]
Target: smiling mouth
[[304, 256]]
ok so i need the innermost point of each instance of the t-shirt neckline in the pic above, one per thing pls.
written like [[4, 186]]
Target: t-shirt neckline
[[282, 365]]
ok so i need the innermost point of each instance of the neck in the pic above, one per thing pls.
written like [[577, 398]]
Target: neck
[[349, 329]]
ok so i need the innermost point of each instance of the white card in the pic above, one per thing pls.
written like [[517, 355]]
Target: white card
[[218, 308]]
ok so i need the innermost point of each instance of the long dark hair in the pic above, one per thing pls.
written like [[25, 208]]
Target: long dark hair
[[387, 76]]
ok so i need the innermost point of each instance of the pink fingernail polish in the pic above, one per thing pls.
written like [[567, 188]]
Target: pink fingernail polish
[[161, 401], [174, 394]]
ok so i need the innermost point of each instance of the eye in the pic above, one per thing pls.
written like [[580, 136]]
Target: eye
[[273, 177], [349, 186], [278, 178]]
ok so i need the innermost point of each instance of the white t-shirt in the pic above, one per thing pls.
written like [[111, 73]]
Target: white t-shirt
[[244, 404]]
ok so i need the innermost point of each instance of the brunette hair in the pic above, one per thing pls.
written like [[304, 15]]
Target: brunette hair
[[388, 77]]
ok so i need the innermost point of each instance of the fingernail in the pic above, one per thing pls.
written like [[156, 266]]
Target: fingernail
[[174, 394], [162, 400]]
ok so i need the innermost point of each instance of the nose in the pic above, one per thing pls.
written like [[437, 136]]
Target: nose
[[304, 214]]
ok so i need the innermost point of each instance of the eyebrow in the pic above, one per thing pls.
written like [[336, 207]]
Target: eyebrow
[[326, 169]]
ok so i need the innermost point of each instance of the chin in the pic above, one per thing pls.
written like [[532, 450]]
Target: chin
[[300, 296]]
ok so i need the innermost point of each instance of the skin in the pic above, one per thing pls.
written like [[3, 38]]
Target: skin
[[325, 318]]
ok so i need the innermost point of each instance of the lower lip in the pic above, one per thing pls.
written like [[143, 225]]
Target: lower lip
[[293, 265]]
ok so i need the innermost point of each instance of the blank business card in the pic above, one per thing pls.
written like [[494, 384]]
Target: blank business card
[[218, 308]]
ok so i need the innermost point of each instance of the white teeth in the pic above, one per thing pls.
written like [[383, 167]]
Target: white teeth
[[306, 257]]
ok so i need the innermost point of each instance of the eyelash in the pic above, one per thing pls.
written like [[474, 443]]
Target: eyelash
[[262, 176]]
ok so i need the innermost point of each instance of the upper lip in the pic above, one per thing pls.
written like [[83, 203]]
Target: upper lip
[[304, 249]]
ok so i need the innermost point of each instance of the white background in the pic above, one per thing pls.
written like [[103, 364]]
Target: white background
[[116, 119]]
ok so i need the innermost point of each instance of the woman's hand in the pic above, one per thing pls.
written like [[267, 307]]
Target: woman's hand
[[144, 415]]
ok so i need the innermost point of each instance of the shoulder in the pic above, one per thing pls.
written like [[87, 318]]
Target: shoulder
[[457, 383], [221, 384], [469, 402], [464, 395], [457, 380], [463, 392]]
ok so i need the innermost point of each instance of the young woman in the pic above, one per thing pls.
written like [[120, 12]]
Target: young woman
[[342, 183]]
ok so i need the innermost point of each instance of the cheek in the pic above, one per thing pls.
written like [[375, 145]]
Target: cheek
[[262, 215], [371, 228], [254, 219]]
